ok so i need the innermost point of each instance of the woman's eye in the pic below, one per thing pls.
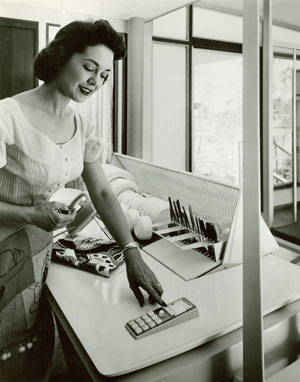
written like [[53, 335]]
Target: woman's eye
[[88, 68]]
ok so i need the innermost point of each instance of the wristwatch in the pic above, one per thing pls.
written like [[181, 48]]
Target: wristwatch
[[132, 244]]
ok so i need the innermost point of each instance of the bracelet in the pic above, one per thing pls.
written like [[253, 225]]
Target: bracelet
[[132, 244]]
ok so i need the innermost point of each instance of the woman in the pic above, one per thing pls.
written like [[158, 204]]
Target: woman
[[43, 145]]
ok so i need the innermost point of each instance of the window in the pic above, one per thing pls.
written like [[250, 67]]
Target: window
[[217, 114], [209, 123], [286, 35], [169, 105], [172, 25], [216, 25], [282, 116], [203, 135]]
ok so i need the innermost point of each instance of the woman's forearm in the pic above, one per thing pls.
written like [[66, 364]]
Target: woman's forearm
[[106, 203]]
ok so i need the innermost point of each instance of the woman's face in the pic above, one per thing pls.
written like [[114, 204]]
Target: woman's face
[[85, 72]]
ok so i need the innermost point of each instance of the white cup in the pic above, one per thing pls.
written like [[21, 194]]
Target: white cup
[[132, 217], [143, 228]]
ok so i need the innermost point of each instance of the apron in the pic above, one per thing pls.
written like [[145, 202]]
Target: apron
[[26, 322]]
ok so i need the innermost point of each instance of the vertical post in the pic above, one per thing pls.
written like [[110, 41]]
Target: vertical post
[[147, 104], [253, 362], [268, 203], [135, 91], [294, 139]]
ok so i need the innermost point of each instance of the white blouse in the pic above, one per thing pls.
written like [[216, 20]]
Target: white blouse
[[32, 167]]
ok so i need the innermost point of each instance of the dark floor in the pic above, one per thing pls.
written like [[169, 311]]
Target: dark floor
[[284, 216], [59, 370], [284, 225]]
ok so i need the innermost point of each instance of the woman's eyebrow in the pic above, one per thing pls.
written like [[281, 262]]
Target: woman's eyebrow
[[94, 62]]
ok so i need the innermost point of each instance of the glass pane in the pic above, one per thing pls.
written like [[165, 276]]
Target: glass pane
[[217, 25], [172, 25], [298, 114], [218, 114], [169, 105], [285, 35], [282, 118], [282, 135]]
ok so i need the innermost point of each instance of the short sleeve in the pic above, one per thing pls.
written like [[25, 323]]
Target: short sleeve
[[6, 130], [93, 146]]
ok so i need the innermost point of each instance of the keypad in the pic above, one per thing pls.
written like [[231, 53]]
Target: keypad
[[157, 319]]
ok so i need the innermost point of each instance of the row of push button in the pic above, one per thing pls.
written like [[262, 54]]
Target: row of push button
[[161, 318], [145, 322]]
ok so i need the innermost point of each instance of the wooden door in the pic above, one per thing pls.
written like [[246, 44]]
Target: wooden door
[[18, 47]]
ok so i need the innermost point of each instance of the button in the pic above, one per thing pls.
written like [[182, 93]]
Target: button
[[161, 313], [179, 308], [134, 326], [50, 191], [170, 311], [145, 327], [58, 184], [152, 324], [66, 173], [144, 316], [60, 146], [138, 330], [158, 320], [147, 320], [66, 159]]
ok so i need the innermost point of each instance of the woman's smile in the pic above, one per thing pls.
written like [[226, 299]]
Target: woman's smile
[[85, 91], [85, 72]]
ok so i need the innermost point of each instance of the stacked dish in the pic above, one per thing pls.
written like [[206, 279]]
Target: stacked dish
[[140, 211]]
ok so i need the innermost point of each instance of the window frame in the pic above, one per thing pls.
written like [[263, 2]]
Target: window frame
[[195, 43]]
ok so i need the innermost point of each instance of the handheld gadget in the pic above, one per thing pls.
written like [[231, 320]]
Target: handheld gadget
[[174, 313]]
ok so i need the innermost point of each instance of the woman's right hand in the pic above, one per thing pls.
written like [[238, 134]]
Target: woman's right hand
[[51, 216]]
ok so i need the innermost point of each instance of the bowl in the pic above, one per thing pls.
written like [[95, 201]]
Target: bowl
[[119, 185], [126, 196], [137, 202], [111, 172], [156, 208]]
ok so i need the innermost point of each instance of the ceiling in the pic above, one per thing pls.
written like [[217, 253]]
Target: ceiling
[[119, 9], [285, 11]]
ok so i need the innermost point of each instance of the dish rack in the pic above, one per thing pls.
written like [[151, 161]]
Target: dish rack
[[193, 240], [190, 232]]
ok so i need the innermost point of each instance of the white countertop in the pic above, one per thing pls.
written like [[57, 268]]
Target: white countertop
[[97, 309]]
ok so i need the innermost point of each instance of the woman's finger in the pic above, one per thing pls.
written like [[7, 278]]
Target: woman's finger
[[154, 295], [157, 286], [138, 294]]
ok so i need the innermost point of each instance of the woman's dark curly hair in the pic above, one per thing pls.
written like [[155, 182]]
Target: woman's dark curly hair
[[74, 38]]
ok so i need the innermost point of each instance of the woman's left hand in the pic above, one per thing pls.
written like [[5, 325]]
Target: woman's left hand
[[140, 275]]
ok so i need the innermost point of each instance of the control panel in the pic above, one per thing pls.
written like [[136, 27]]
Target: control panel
[[174, 313]]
